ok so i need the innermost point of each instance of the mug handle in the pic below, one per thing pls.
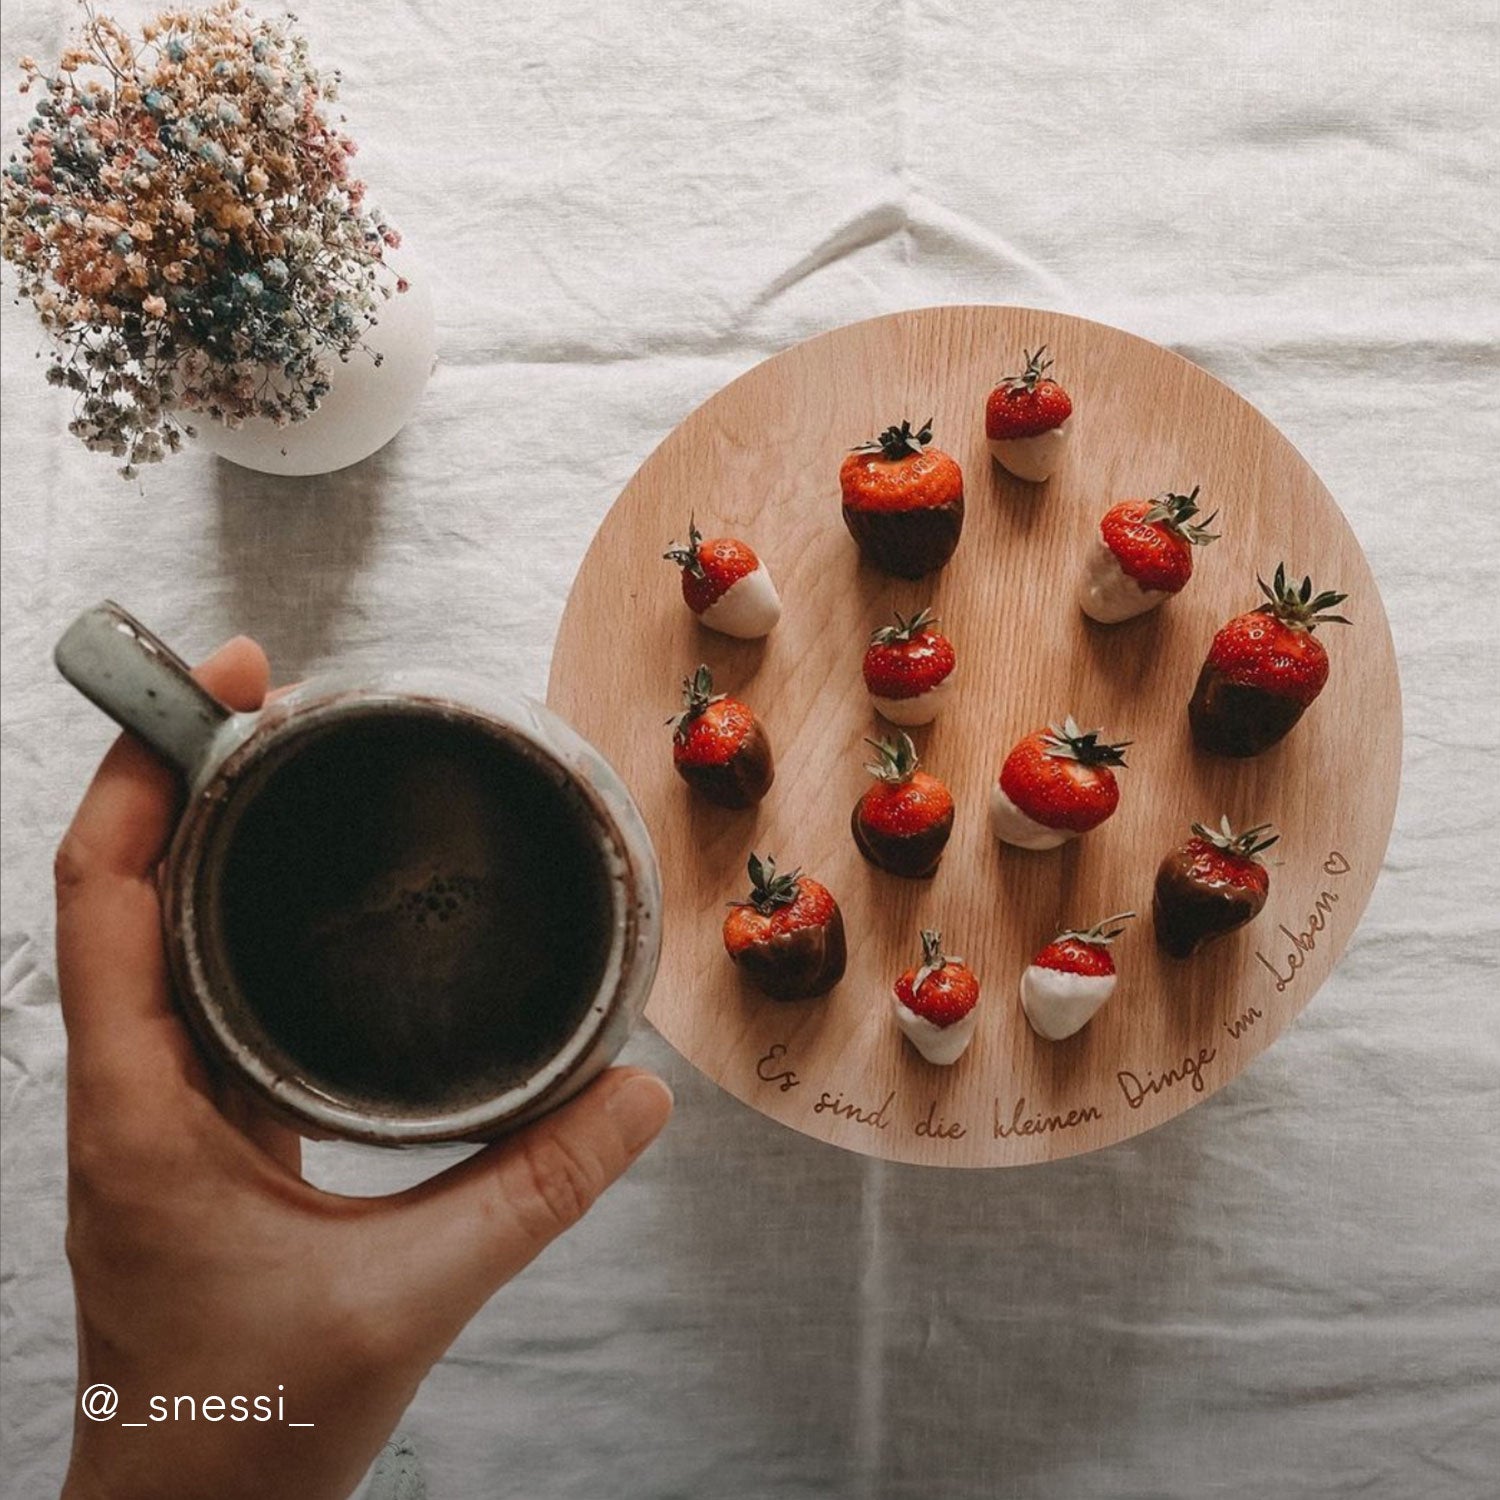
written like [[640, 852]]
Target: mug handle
[[141, 683]]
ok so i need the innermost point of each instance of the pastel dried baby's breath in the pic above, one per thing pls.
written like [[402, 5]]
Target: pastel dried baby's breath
[[182, 217]]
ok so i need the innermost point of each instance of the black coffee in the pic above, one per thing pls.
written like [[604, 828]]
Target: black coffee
[[413, 910]]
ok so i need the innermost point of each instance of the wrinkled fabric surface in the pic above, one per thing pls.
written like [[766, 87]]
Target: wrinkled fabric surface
[[1290, 1290]]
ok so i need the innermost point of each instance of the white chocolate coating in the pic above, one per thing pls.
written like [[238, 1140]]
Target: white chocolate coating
[[748, 608], [1108, 593], [943, 1045], [1011, 826], [922, 709], [1031, 458], [1057, 1003]]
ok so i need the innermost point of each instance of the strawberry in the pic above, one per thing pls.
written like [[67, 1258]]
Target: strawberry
[[1142, 555], [1070, 979], [788, 934], [908, 669], [1263, 669], [902, 823], [1054, 785], [719, 747], [1210, 886], [726, 585], [935, 1003], [1024, 421], [903, 501]]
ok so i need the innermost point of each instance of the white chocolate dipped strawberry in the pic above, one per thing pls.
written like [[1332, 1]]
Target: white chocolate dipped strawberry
[[726, 585], [1067, 982], [1025, 421], [936, 1003], [908, 669], [1055, 784], [1141, 555]]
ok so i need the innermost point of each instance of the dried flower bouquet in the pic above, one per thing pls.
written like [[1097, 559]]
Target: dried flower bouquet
[[182, 216]]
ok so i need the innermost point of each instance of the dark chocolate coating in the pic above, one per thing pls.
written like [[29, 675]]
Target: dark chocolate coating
[[799, 964], [914, 856], [1229, 719], [1188, 913], [908, 543], [740, 781]]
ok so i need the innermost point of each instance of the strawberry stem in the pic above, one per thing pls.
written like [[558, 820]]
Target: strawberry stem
[[697, 694], [1176, 513], [1101, 934], [1068, 742], [1297, 605], [896, 443], [687, 557], [896, 760], [768, 890], [1247, 845], [933, 959], [1028, 379], [903, 630]]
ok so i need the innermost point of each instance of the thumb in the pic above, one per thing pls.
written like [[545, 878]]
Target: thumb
[[470, 1229]]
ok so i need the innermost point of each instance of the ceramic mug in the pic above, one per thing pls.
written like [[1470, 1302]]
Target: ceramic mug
[[401, 909]]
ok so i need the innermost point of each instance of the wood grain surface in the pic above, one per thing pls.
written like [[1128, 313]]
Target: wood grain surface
[[760, 460]]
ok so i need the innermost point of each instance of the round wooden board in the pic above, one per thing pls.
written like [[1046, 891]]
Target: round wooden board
[[760, 460]]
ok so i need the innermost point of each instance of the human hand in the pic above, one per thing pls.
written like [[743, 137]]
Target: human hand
[[203, 1265]]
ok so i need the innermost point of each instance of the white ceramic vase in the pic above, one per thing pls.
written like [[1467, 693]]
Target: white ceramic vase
[[367, 404]]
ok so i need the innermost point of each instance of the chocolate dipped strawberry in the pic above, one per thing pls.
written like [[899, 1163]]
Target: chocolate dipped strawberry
[[1142, 554], [902, 823], [903, 501], [719, 747], [787, 934], [726, 585], [1212, 885], [1055, 784], [935, 1003], [908, 669], [1263, 669], [1025, 421], [1070, 979]]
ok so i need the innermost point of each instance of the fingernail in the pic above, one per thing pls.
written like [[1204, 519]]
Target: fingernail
[[639, 1107]]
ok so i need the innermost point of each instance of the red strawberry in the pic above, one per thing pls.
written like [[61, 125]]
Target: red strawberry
[[1263, 669], [1070, 979], [903, 501], [788, 934], [719, 747], [1212, 885], [903, 822], [1023, 420], [1055, 784], [1143, 554], [935, 1003], [908, 669], [726, 585]]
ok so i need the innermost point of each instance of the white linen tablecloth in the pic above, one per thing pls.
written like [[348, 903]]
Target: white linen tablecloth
[[1289, 1291]]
